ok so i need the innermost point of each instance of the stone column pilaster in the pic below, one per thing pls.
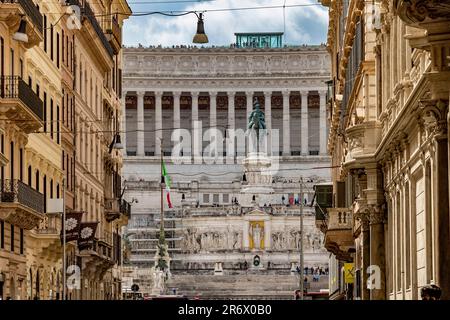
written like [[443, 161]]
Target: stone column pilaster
[[140, 151], [286, 124], [158, 122], [322, 123], [304, 124], [268, 115]]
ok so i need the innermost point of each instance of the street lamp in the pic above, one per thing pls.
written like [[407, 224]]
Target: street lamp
[[200, 36]]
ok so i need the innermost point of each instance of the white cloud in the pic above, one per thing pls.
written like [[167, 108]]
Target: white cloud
[[303, 24]]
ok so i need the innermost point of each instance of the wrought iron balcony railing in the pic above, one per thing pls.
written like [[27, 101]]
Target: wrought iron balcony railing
[[15, 191], [125, 208], [13, 87], [31, 10]]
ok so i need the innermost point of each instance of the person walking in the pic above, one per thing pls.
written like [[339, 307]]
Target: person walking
[[431, 292]]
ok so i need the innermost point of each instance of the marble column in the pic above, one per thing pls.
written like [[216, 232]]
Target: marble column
[[268, 115], [158, 122], [176, 110], [231, 149], [231, 122], [176, 117], [212, 110], [304, 123], [249, 95], [323, 123], [245, 235], [140, 124], [286, 125], [195, 129]]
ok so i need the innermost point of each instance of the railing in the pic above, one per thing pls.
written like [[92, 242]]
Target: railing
[[50, 225], [87, 11], [15, 191], [30, 9], [340, 218], [13, 87], [125, 208]]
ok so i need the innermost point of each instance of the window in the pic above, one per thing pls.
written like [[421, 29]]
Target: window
[[57, 191], [226, 198], [12, 161], [45, 111], [57, 49], [21, 164], [205, 198], [37, 181], [58, 126], [45, 33], [62, 45], [51, 41], [2, 234], [51, 189], [215, 198], [2, 56], [21, 68], [30, 170], [21, 241], [12, 238], [51, 118]]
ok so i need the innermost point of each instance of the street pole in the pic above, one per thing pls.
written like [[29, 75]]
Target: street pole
[[301, 240], [162, 235], [64, 238]]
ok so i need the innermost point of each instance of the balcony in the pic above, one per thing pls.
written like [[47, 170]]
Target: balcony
[[20, 204], [50, 225], [125, 208], [114, 208], [19, 102], [339, 234], [12, 10], [114, 34]]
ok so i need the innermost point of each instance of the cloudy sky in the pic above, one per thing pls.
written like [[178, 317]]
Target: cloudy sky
[[303, 25]]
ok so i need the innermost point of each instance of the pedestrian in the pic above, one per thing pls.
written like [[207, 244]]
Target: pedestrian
[[431, 292]]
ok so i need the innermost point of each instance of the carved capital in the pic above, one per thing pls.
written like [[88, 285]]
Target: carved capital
[[433, 113], [417, 12]]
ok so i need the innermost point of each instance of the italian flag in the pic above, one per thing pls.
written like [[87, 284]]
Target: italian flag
[[166, 179]]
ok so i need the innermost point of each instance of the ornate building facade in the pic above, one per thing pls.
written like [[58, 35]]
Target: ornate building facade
[[63, 74], [389, 139], [220, 222]]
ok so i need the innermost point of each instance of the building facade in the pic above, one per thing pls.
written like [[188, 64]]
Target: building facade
[[389, 139], [208, 94], [67, 67]]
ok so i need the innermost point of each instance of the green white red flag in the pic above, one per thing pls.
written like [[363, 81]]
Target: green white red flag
[[166, 180]]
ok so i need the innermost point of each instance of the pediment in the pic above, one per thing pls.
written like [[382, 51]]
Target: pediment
[[257, 212]]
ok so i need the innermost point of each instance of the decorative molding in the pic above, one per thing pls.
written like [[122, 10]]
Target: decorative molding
[[417, 12]]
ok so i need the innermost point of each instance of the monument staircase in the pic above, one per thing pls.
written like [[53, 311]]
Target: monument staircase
[[250, 284]]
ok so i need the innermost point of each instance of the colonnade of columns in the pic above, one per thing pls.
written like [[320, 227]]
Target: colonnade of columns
[[286, 118]]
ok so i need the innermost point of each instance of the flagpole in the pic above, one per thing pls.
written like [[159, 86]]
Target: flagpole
[[162, 235], [64, 239]]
